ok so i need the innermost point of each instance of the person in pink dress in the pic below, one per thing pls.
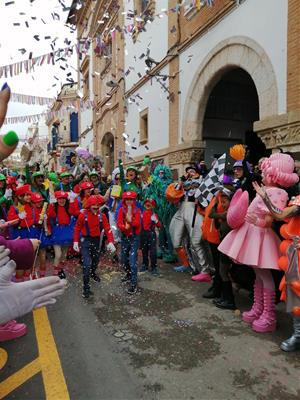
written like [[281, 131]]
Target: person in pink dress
[[253, 242]]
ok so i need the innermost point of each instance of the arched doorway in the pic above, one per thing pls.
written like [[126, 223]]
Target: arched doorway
[[108, 150], [252, 66], [231, 109]]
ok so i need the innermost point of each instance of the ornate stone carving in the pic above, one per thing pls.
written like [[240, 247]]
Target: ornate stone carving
[[186, 156], [287, 135]]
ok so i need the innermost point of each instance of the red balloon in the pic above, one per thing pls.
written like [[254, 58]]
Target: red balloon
[[283, 263]]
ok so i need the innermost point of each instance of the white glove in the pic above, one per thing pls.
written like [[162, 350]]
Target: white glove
[[22, 215], [76, 247], [111, 248], [52, 200], [197, 193], [8, 194], [18, 299], [72, 196], [154, 218]]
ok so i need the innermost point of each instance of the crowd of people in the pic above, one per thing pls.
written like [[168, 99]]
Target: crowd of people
[[231, 238]]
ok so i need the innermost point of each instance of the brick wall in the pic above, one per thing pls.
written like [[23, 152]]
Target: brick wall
[[293, 69]]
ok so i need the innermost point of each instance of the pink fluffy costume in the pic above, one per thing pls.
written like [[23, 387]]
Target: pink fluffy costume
[[253, 242]]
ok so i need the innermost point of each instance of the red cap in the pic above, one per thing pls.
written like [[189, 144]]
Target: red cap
[[93, 201], [86, 185], [36, 198], [129, 196], [151, 201], [76, 189], [61, 194], [25, 189]]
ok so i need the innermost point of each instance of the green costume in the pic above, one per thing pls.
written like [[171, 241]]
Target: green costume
[[34, 188], [165, 210], [101, 186], [4, 202], [128, 186]]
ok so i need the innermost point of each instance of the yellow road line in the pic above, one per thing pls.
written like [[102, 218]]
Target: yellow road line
[[20, 377], [53, 377], [3, 357]]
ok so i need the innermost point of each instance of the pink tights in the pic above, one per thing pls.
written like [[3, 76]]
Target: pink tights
[[264, 278]]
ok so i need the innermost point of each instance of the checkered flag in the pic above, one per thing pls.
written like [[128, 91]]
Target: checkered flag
[[212, 183]]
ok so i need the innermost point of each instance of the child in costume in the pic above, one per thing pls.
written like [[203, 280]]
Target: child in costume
[[99, 185], [37, 183], [5, 201], [61, 221], [253, 242], [289, 262], [90, 224], [5, 197], [40, 229], [86, 189], [113, 200], [23, 212], [148, 236], [129, 183], [226, 299], [129, 224], [64, 185]]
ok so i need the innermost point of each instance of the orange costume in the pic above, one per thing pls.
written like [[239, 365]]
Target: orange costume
[[289, 262]]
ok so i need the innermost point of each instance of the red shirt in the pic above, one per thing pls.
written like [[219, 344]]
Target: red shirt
[[37, 213], [62, 216], [135, 226], [94, 225], [148, 224], [28, 221]]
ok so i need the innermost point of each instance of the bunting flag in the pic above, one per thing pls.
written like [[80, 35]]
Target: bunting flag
[[68, 107], [29, 65], [82, 47], [31, 100]]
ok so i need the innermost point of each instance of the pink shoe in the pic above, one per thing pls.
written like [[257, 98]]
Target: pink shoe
[[202, 278], [258, 306], [267, 320], [12, 330]]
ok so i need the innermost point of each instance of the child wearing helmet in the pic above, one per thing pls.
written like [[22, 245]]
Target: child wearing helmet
[[148, 236], [40, 229], [129, 224], [88, 231], [61, 220]]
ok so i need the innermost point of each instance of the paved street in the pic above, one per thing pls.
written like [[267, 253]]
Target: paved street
[[164, 343]]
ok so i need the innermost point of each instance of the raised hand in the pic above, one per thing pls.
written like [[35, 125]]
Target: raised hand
[[17, 299], [261, 190]]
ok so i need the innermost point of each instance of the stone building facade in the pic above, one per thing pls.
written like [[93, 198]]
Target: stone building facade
[[101, 77], [62, 126], [185, 81]]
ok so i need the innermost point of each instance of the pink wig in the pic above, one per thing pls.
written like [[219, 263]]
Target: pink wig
[[278, 169]]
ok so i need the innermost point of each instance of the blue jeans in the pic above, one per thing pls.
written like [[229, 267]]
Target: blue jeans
[[129, 256], [90, 253]]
